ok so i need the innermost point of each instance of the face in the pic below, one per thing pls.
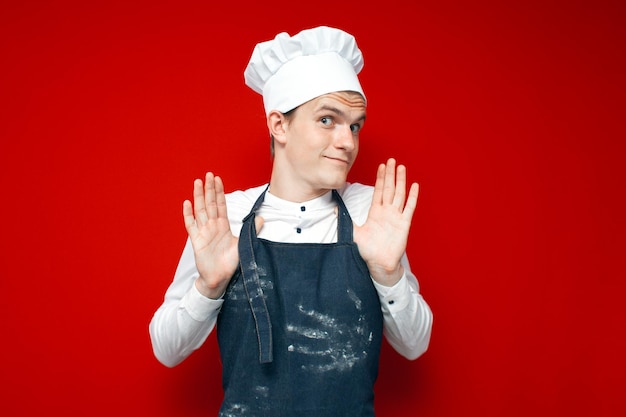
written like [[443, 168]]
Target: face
[[320, 143]]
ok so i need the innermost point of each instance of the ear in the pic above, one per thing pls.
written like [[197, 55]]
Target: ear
[[277, 123]]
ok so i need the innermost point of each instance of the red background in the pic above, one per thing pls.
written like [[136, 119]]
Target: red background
[[511, 118]]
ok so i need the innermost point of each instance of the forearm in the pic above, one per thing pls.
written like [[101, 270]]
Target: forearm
[[407, 317], [186, 317], [179, 328]]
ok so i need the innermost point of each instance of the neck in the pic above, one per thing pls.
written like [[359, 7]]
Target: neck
[[289, 185], [288, 190]]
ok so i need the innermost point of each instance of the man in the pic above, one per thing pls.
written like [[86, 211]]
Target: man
[[302, 275]]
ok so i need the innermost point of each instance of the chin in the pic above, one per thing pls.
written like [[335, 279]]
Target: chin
[[332, 180], [335, 185]]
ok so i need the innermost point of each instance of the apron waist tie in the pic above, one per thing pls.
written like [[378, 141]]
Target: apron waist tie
[[254, 292]]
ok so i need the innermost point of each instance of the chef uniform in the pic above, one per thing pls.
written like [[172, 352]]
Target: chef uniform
[[300, 325]]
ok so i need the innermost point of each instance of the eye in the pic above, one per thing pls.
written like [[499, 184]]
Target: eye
[[326, 121], [355, 128]]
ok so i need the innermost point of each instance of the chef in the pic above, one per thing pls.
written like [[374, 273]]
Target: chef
[[303, 276]]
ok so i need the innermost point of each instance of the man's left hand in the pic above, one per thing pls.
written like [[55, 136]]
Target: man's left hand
[[382, 239]]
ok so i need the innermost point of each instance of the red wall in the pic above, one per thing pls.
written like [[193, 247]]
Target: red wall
[[511, 118]]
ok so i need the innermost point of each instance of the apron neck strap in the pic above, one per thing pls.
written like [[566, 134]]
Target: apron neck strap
[[344, 221]]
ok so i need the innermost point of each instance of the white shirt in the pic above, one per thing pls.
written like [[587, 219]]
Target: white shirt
[[186, 318]]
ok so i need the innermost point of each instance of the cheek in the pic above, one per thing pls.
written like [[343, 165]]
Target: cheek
[[302, 155]]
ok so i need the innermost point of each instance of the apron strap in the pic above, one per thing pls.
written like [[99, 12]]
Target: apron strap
[[344, 221], [252, 284], [254, 292]]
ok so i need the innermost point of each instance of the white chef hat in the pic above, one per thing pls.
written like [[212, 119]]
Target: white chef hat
[[291, 70]]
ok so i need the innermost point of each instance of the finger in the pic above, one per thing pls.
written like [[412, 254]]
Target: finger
[[400, 190], [188, 218], [199, 209], [377, 197], [389, 187], [209, 196], [220, 199], [411, 202]]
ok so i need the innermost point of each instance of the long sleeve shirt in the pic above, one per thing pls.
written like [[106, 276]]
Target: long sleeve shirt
[[186, 318]]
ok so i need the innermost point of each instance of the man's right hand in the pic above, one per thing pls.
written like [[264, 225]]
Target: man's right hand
[[214, 246]]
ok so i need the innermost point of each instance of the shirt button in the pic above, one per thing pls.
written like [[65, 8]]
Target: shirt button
[[302, 208], [390, 302], [298, 230]]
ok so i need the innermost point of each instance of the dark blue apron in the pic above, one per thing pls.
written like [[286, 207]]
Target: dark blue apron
[[300, 328]]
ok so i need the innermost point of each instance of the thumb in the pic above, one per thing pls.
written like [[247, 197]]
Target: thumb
[[258, 223]]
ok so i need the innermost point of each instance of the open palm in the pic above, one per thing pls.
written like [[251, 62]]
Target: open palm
[[214, 246], [382, 239]]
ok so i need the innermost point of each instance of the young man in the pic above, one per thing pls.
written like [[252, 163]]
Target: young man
[[302, 275]]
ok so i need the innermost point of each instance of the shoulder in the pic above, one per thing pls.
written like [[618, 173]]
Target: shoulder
[[358, 198], [244, 197]]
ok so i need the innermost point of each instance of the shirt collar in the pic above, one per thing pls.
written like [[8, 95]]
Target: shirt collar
[[321, 202]]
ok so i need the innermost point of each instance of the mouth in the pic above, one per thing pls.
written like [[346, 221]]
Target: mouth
[[338, 160]]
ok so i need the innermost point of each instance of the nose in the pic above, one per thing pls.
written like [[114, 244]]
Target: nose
[[345, 139]]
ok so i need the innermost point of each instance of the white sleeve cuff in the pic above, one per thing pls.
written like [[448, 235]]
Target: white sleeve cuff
[[395, 298], [199, 307]]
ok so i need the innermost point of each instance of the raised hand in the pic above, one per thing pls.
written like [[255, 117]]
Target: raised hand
[[214, 246], [383, 238]]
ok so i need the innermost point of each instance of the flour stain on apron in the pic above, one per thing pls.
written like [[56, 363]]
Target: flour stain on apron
[[339, 350]]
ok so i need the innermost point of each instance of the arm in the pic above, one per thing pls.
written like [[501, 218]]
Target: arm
[[186, 317], [407, 317], [382, 241], [192, 302]]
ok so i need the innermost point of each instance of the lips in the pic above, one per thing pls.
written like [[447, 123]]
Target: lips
[[337, 159]]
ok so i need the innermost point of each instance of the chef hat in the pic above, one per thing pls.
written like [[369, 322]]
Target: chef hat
[[291, 70]]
